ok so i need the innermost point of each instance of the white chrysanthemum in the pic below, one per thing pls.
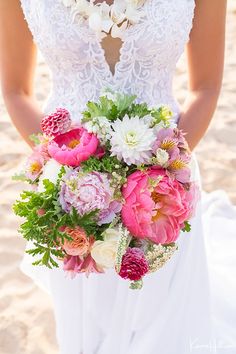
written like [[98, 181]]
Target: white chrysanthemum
[[50, 171], [132, 140]]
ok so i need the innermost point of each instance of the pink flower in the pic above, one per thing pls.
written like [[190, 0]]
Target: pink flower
[[88, 192], [73, 147], [56, 123], [76, 264], [134, 264], [34, 166], [80, 244], [174, 143], [156, 206]]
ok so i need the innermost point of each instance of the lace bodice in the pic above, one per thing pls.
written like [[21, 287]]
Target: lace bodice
[[77, 60]]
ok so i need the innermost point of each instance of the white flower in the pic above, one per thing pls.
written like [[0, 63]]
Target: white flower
[[50, 171], [162, 157], [104, 252], [95, 22], [132, 140], [101, 127]]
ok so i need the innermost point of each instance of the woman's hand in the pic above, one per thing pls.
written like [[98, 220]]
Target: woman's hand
[[17, 66], [205, 52]]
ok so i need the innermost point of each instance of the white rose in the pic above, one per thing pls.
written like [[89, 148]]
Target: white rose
[[104, 252]]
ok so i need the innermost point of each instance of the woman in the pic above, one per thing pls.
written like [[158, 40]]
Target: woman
[[172, 313]]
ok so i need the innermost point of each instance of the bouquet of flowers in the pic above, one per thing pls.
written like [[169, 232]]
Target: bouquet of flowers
[[112, 192]]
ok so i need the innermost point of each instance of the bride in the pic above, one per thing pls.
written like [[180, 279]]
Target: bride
[[181, 308]]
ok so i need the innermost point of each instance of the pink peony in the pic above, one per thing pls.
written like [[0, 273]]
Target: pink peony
[[73, 147], [88, 192], [134, 264], [80, 244], [56, 123], [156, 206]]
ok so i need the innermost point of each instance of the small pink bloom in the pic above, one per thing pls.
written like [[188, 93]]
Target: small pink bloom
[[41, 212], [76, 264], [156, 210], [73, 147], [173, 141], [134, 264], [34, 166], [56, 123], [90, 266], [72, 265]]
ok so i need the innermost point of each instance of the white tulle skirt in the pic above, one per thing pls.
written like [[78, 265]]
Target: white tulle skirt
[[189, 306]]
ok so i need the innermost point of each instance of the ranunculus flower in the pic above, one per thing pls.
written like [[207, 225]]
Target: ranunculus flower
[[156, 206], [73, 147], [104, 252], [80, 244], [134, 264]]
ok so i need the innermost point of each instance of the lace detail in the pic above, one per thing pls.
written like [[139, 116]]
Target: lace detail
[[77, 60]]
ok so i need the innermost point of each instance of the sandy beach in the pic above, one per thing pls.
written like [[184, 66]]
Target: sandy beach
[[26, 318]]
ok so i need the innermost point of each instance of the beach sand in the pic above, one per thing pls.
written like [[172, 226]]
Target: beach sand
[[26, 318]]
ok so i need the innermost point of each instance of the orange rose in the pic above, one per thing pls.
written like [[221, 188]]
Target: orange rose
[[80, 244]]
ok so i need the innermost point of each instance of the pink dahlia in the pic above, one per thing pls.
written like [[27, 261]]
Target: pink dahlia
[[56, 123], [156, 206], [134, 264], [73, 147]]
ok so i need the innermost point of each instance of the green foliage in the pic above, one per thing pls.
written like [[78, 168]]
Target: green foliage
[[45, 229], [20, 177], [35, 138], [187, 227], [105, 164]]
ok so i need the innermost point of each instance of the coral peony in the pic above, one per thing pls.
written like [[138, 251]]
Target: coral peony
[[80, 244], [156, 206], [134, 264], [56, 123], [73, 147]]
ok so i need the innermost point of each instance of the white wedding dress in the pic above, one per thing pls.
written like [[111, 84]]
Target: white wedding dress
[[189, 305]]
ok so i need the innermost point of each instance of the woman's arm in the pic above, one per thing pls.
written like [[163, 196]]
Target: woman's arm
[[205, 52], [17, 66]]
